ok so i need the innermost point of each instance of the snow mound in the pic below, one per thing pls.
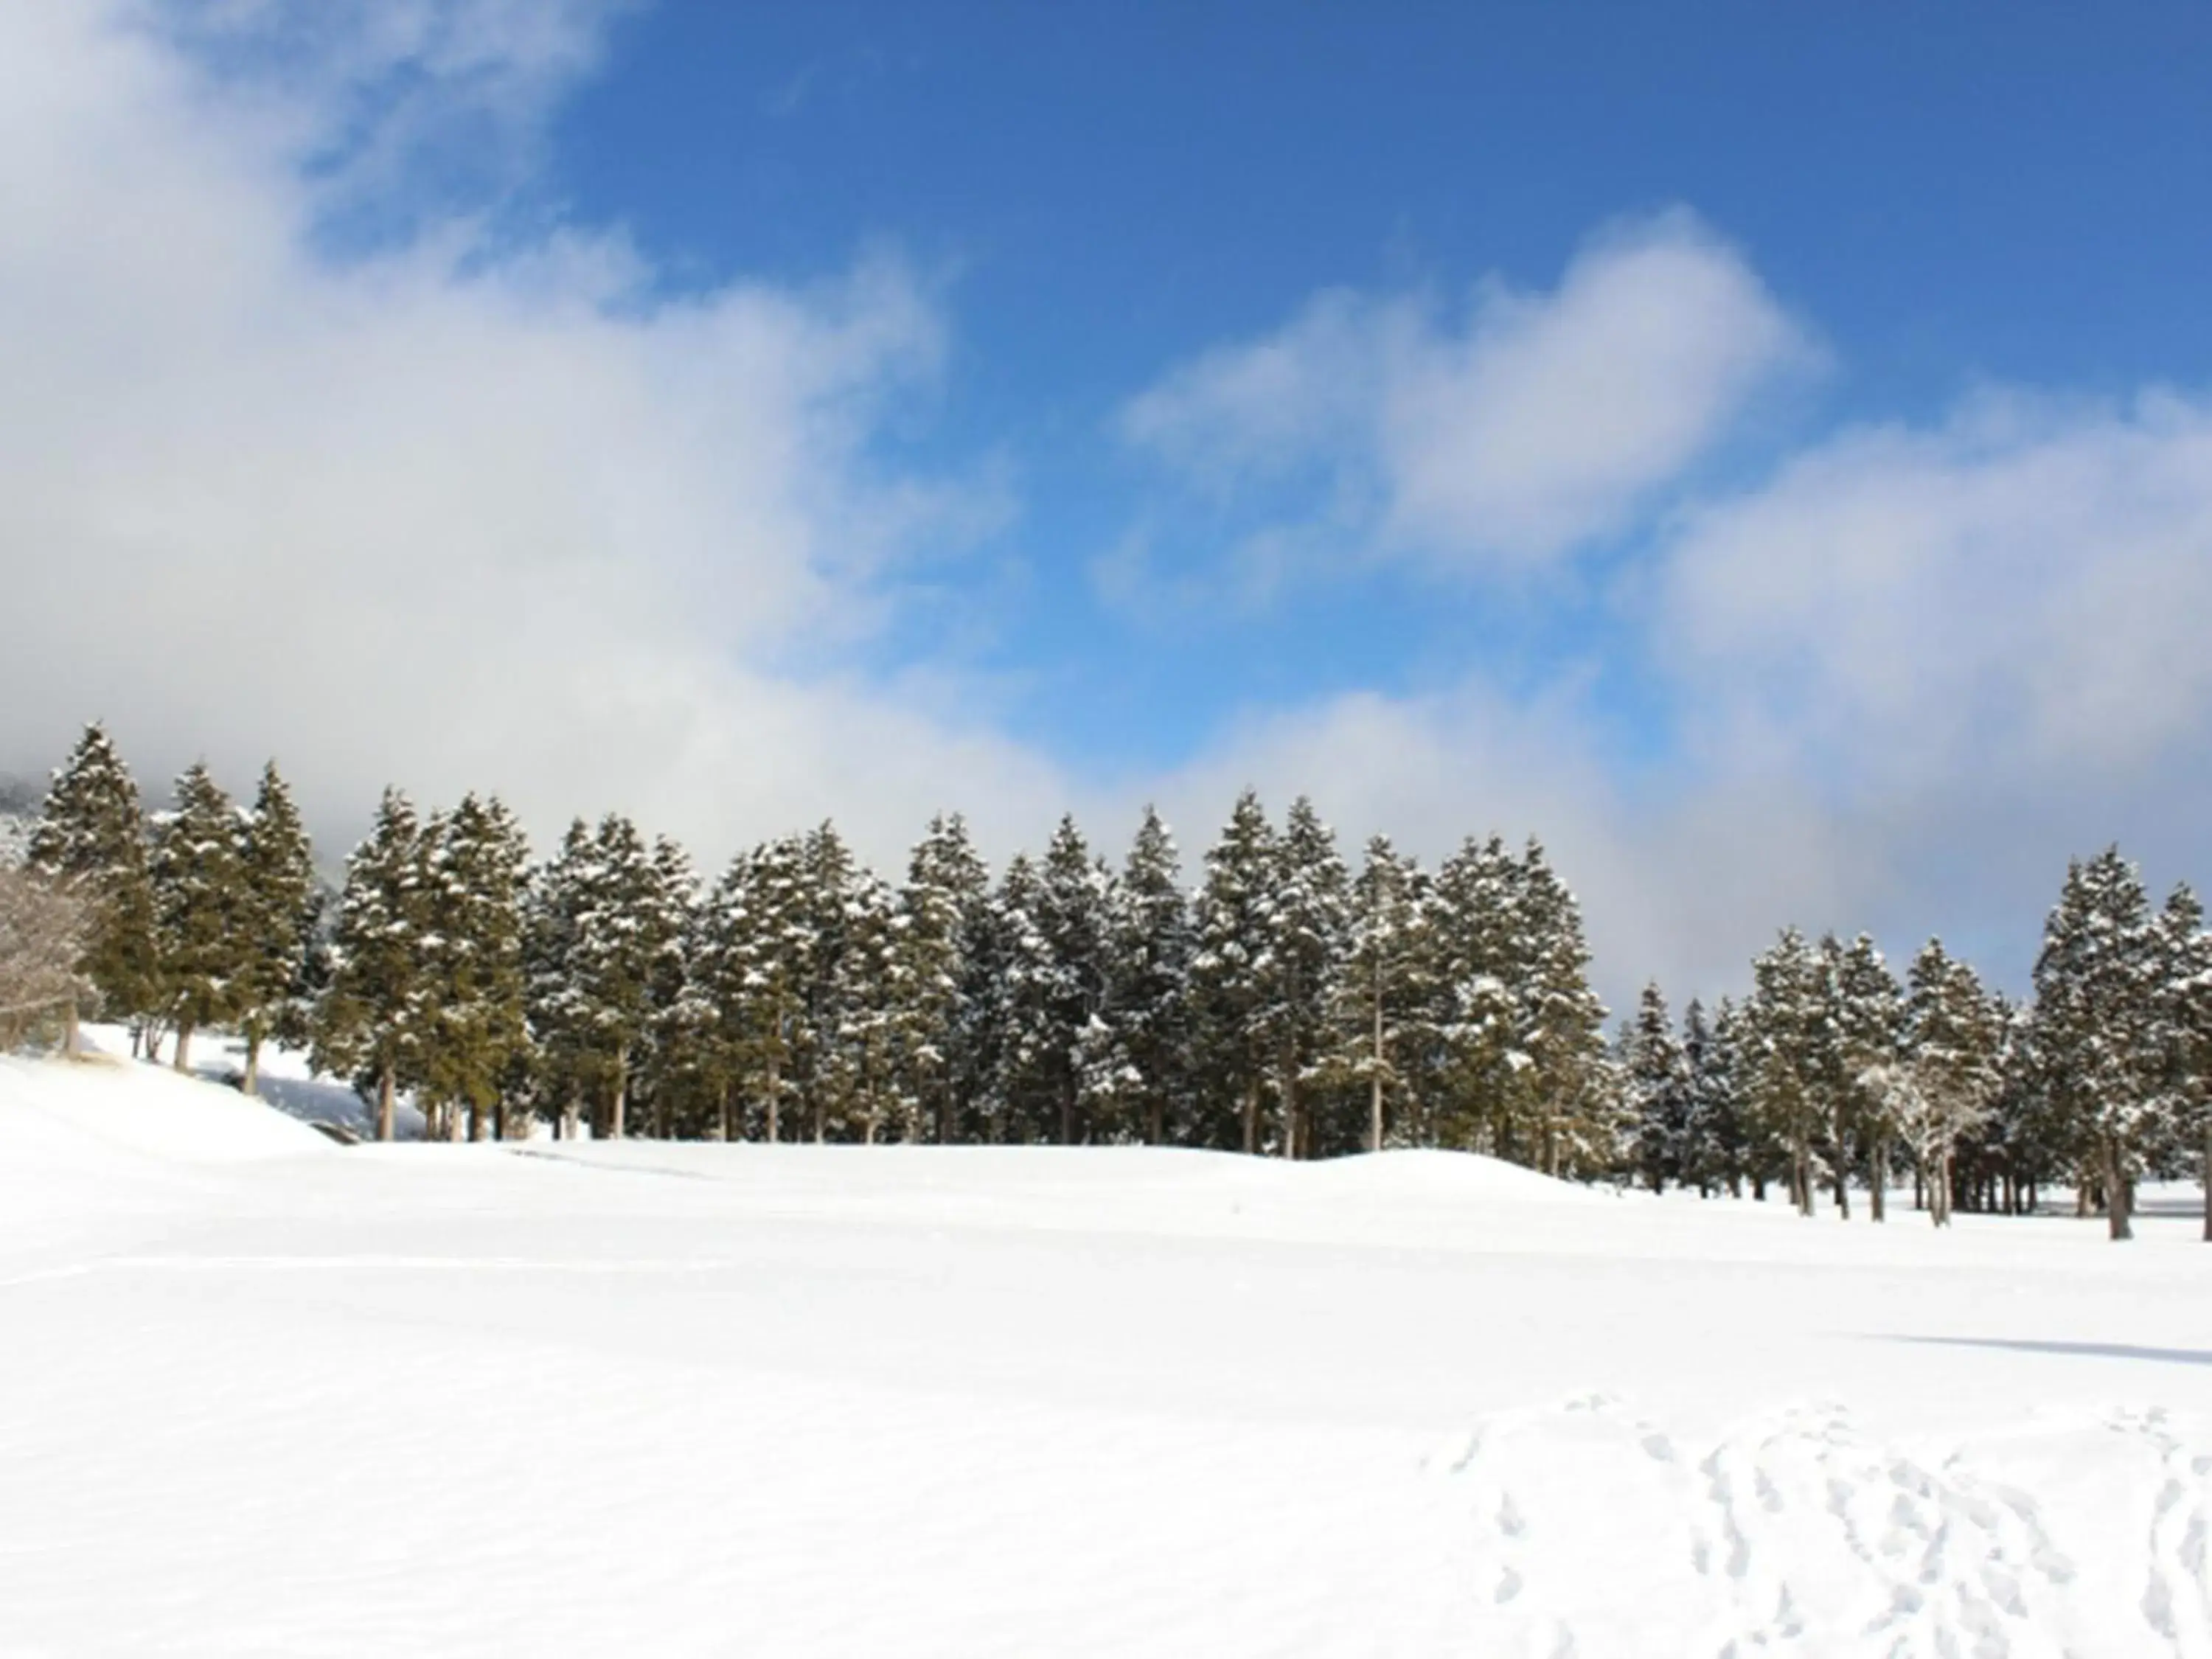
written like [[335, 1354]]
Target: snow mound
[[1471, 1176], [147, 1112]]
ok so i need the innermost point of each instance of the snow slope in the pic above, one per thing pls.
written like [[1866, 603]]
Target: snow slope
[[267, 1397]]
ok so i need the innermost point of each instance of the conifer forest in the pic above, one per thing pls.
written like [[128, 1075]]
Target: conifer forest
[[1276, 996]]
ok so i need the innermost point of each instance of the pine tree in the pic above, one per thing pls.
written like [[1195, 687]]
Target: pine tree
[[1476, 958], [2097, 1019], [1782, 1043], [1863, 1028], [1025, 1029], [1713, 1148], [1380, 991], [277, 910], [558, 892], [200, 908], [1659, 1092], [946, 886], [473, 867], [1944, 1086], [91, 837], [1233, 964], [1136, 1063], [1073, 915], [1310, 920], [371, 1024], [671, 1065], [2186, 990], [1560, 1027]]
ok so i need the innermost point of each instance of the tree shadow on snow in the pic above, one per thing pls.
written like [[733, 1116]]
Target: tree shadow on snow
[[2084, 1350]]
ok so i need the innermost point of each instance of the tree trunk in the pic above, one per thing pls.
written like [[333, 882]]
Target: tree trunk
[[1154, 1130], [722, 1110], [619, 1100], [2208, 1180], [73, 1038], [251, 1083], [386, 1111], [183, 1061], [1878, 1198], [774, 1098], [1290, 1103], [1800, 1171], [2116, 1195], [1938, 1191], [1252, 1115], [1067, 1112]]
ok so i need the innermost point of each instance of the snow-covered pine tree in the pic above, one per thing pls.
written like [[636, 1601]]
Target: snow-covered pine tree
[[2186, 989], [370, 1024], [671, 1080], [1560, 1026], [946, 886], [1311, 919], [1074, 915], [474, 867], [200, 907], [2097, 1014], [826, 907], [1713, 1150], [1865, 1016], [1782, 1039], [1658, 1078], [557, 894], [1475, 962], [857, 1078], [91, 836], [1947, 1078], [277, 909], [1136, 1064], [1380, 992], [1232, 966], [1020, 1102]]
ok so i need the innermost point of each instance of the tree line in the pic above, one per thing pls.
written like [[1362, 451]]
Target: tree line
[[1283, 1002]]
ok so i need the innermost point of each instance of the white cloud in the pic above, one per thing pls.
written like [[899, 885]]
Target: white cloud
[[458, 514], [1542, 422]]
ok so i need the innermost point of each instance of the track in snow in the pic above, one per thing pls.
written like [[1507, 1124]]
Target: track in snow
[[1596, 1533]]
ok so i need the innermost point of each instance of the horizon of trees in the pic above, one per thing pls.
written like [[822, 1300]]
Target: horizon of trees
[[1283, 1003]]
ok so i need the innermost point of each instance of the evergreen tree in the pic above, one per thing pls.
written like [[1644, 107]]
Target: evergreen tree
[[1477, 956], [1073, 915], [1659, 1092], [201, 908], [91, 837], [2097, 1016], [1561, 1028], [1310, 921], [473, 877], [1713, 1153], [1380, 992], [1136, 1059], [946, 886], [1232, 967], [372, 1022], [1782, 1029], [557, 894], [1947, 1080], [277, 910], [1024, 1028], [2185, 974], [1865, 1015]]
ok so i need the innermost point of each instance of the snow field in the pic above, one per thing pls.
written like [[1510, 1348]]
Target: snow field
[[282, 1398]]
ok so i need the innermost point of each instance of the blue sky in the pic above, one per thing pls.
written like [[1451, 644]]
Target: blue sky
[[1946, 197], [1764, 450]]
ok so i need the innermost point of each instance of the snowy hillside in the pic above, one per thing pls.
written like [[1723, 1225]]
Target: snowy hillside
[[282, 1398]]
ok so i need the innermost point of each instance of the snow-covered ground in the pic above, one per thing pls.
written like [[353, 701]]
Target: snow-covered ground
[[262, 1395]]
